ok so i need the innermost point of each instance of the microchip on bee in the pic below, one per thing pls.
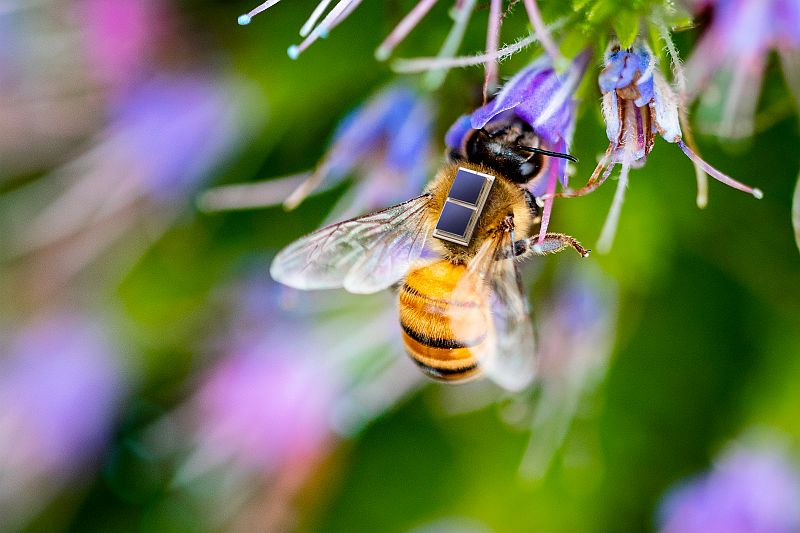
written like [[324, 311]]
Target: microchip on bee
[[463, 206]]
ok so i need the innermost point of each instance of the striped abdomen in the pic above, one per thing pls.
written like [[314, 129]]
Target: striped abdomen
[[427, 334]]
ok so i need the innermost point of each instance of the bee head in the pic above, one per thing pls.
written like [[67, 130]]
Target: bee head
[[511, 151]]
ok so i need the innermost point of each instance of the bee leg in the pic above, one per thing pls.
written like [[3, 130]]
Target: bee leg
[[552, 243]]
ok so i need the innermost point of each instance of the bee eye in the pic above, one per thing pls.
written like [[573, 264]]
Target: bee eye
[[526, 168]]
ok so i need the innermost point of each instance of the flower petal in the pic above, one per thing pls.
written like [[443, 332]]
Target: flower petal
[[454, 138], [665, 105]]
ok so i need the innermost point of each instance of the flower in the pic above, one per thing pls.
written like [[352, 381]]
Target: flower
[[461, 12], [752, 489], [544, 100], [387, 142], [638, 103], [60, 388], [576, 335], [288, 385], [733, 52], [164, 137], [121, 37], [48, 101]]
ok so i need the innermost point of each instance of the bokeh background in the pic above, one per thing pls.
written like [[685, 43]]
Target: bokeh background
[[152, 378]]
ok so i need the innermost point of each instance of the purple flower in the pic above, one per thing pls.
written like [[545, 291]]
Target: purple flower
[[638, 103], [545, 100], [749, 490], [733, 53], [172, 131], [60, 388], [387, 142], [165, 135]]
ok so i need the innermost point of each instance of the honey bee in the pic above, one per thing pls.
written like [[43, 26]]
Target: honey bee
[[464, 311]]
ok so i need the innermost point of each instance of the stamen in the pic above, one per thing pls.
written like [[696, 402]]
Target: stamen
[[322, 29], [315, 15], [339, 18], [680, 79], [609, 230], [402, 30], [548, 206], [421, 64], [250, 195], [717, 175], [541, 30], [304, 189], [435, 77], [245, 19], [593, 182], [492, 44]]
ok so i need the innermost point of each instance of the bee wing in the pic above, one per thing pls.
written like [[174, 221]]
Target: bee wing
[[508, 353], [363, 255]]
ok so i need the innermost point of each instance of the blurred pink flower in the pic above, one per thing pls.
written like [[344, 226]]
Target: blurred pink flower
[[265, 407], [122, 37], [288, 386]]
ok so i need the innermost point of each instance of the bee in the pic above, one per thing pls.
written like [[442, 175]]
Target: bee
[[462, 311]]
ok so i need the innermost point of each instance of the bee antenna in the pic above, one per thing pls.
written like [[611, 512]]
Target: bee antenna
[[548, 152]]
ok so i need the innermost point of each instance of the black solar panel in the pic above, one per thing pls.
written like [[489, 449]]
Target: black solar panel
[[463, 206], [467, 187], [455, 219]]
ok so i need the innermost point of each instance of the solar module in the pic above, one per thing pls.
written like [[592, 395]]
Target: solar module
[[463, 206]]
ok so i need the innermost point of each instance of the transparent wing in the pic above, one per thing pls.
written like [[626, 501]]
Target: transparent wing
[[508, 353], [363, 255]]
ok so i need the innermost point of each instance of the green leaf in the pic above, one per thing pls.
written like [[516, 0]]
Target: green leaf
[[626, 25], [572, 43]]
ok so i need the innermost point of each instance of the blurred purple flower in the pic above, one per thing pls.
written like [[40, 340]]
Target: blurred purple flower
[[638, 103], [165, 136], [60, 388], [576, 335], [177, 129], [545, 100], [750, 490], [386, 141], [733, 53]]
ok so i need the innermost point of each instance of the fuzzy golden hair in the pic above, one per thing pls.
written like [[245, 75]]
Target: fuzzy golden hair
[[506, 198]]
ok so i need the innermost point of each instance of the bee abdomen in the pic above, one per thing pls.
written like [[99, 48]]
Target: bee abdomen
[[427, 335]]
